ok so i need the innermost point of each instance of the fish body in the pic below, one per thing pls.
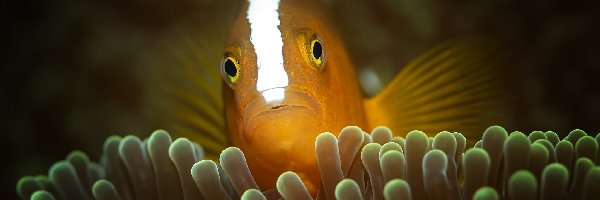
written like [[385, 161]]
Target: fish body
[[286, 76], [319, 96]]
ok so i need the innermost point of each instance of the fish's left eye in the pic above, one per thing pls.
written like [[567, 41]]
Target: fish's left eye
[[317, 53], [317, 50]]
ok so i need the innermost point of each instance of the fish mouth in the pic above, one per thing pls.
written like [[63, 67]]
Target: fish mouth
[[263, 118]]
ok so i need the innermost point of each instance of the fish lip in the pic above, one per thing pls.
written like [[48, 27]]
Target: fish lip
[[293, 100]]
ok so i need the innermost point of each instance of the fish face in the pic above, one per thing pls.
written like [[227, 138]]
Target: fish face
[[291, 112], [288, 80]]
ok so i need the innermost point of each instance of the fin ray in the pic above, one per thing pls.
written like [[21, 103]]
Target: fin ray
[[460, 85], [183, 93], [450, 76]]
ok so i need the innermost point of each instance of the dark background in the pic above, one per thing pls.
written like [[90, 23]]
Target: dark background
[[71, 68]]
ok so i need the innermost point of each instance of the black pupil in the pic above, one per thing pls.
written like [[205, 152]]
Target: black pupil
[[230, 68], [317, 50]]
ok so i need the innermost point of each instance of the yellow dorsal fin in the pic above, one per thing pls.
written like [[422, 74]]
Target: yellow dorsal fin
[[458, 86]]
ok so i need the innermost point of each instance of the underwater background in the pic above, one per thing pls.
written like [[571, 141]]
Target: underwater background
[[73, 71]]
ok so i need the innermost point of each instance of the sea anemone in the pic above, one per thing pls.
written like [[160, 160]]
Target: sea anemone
[[355, 165]]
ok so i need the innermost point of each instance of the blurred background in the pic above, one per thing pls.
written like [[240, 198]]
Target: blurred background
[[73, 70]]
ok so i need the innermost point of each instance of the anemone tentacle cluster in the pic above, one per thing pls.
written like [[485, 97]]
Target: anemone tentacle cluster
[[355, 165]]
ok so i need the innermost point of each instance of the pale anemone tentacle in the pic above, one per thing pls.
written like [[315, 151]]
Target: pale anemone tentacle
[[253, 194], [206, 176], [552, 137], [348, 189], [135, 157], [446, 142], [350, 141], [359, 167], [536, 135], [538, 159], [370, 159], [476, 165], [522, 186], [329, 163], [486, 193], [575, 135], [105, 190], [550, 148], [582, 166], [435, 178], [291, 187], [598, 151], [516, 155], [64, 176], [393, 165], [416, 146], [42, 195], [167, 181], [397, 189], [592, 180], [586, 146], [492, 142], [555, 179], [381, 135], [26, 186], [390, 146]]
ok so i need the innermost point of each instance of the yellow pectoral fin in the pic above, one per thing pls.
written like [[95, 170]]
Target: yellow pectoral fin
[[182, 90], [460, 86]]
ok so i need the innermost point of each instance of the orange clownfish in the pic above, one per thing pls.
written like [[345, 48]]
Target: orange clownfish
[[287, 77]]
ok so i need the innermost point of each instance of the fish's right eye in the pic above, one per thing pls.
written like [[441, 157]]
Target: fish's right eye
[[230, 69]]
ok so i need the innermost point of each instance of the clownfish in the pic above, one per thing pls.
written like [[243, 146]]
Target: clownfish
[[285, 76]]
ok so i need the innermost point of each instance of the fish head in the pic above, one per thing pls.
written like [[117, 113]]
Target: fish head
[[288, 79]]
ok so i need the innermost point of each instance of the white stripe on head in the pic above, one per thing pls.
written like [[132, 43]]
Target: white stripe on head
[[263, 16]]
